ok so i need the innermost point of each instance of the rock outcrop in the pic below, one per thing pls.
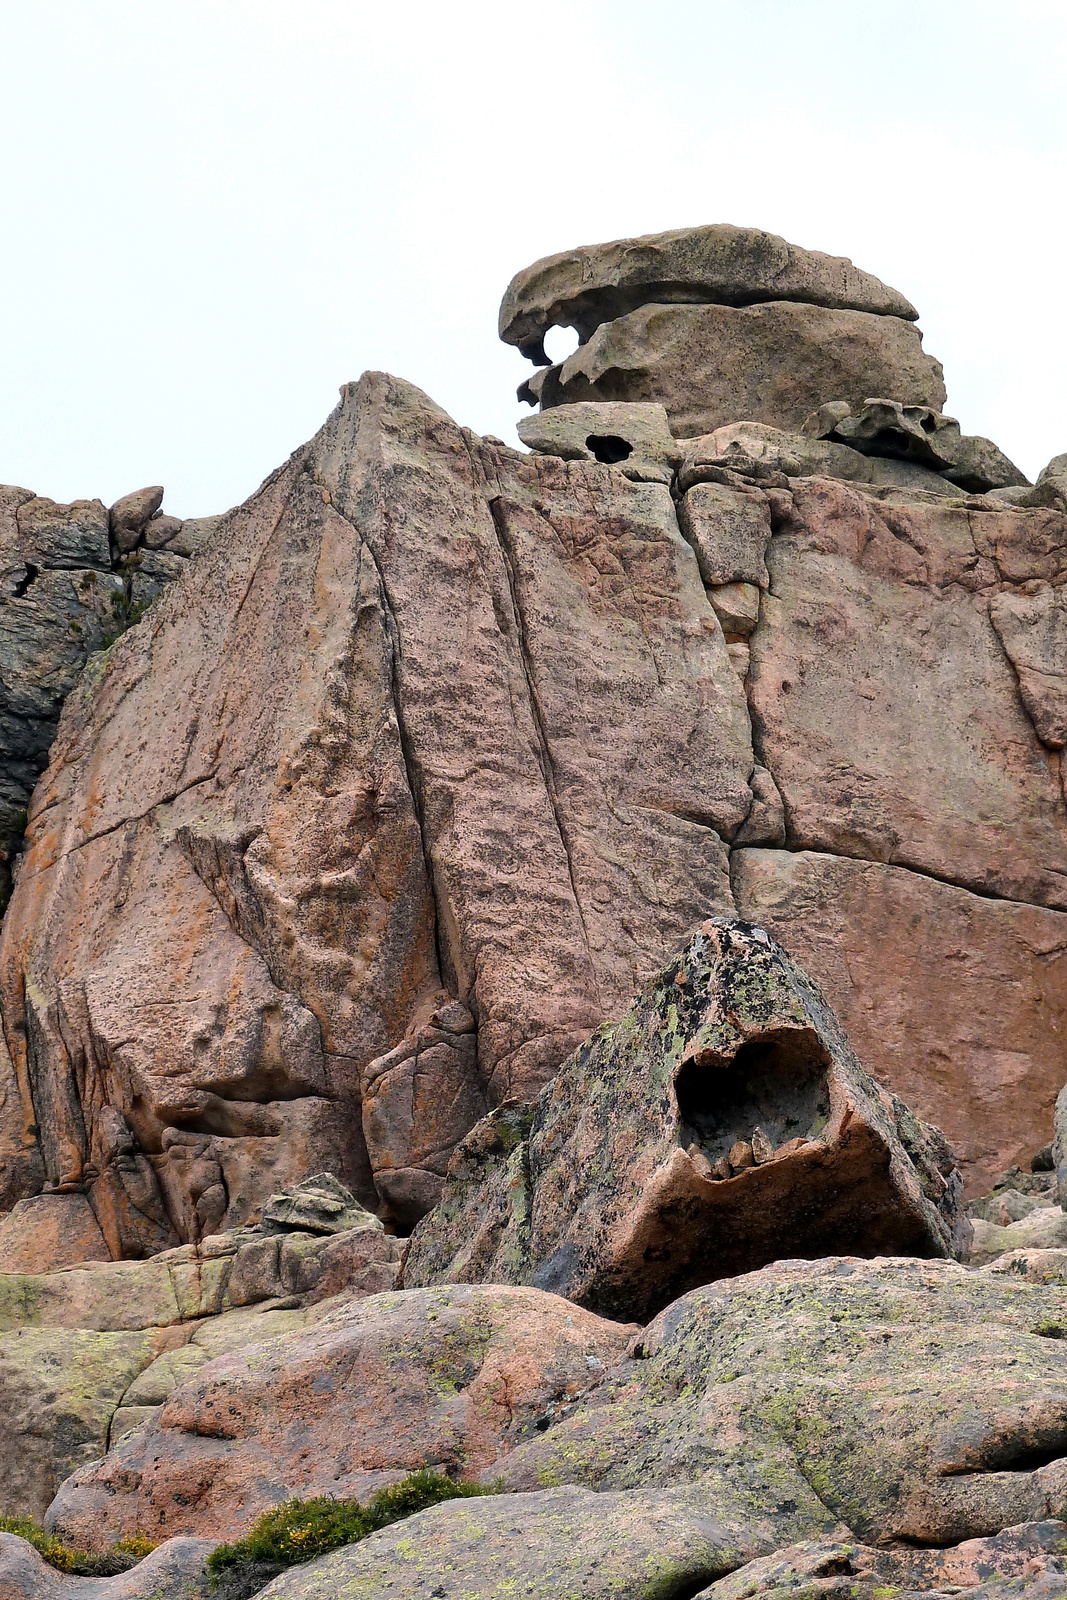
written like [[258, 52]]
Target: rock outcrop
[[503, 772], [451, 1377], [723, 1123], [871, 1401], [718, 324], [93, 1352], [71, 580], [176, 1571]]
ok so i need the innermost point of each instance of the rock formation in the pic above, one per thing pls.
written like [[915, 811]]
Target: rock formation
[[719, 324], [723, 1123], [330, 911], [843, 1400], [72, 578]]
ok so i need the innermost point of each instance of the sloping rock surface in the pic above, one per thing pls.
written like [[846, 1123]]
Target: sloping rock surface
[[175, 1571], [494, 754], [66, 590], [444, 1377], [556, 1544], [881, 1401], [1030, 1559], [91, 1353], [722, 1123]]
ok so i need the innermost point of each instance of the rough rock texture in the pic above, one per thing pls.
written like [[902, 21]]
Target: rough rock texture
[[718, 264], [635, 438], [1028, 1559], [915, 433], [89, 1353], [881, 1401], [712, 364], [446, 1377], [954, 998], [67, 588], [556, 1544], [49, 1231], [757, 451], [921, 1401], [494, 754], [722, 1123], [175, 1571]]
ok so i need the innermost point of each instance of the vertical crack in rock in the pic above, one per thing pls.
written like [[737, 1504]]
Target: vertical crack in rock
[[497, 509]]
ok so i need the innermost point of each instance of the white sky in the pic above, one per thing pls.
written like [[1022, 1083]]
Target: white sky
[[216, 211]]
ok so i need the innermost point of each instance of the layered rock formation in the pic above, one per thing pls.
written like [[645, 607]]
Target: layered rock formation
[[522, 724], [718, 324], [347, 865]]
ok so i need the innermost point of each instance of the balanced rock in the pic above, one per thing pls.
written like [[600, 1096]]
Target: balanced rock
[[714, 265], [710, 364], [724, 1122], [717, 324]]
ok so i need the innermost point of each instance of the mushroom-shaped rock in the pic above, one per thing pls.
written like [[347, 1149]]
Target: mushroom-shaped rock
[[717, 264], [724, 1123]]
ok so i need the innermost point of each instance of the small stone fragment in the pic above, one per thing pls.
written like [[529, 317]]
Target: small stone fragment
[[740, 1156], [762, 1147]]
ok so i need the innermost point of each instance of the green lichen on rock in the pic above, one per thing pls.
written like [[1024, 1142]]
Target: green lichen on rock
[[724, 1121]]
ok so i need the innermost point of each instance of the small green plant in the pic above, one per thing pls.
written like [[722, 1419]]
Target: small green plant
[[300, 1530], [79, 1563]]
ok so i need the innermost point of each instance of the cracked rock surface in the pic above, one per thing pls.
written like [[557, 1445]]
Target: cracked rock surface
[[521, 725]]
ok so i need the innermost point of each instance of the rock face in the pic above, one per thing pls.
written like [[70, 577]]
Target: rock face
[[719, 325], [524, 722], [1028, 1559], [722, 1123], [451, 1377], [493, 756], [66, 590]]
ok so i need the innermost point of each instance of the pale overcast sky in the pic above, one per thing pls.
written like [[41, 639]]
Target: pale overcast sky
[[216, 211]]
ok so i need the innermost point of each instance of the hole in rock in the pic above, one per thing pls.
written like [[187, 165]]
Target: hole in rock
[[776, 1084], [559, 343], [22, 584], [608, 448]]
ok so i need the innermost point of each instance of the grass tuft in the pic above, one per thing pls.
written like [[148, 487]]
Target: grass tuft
[[301, 1530], [79, 1563]]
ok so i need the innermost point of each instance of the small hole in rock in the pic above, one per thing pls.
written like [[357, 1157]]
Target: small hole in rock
[[559, 343], [608, 448], [32, 573]]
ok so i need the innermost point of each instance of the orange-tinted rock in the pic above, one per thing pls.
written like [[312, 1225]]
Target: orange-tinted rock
[[495, 748], [956, 1000], [450, 1377], [49, 1231], [722, 1123], [888, 712]]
